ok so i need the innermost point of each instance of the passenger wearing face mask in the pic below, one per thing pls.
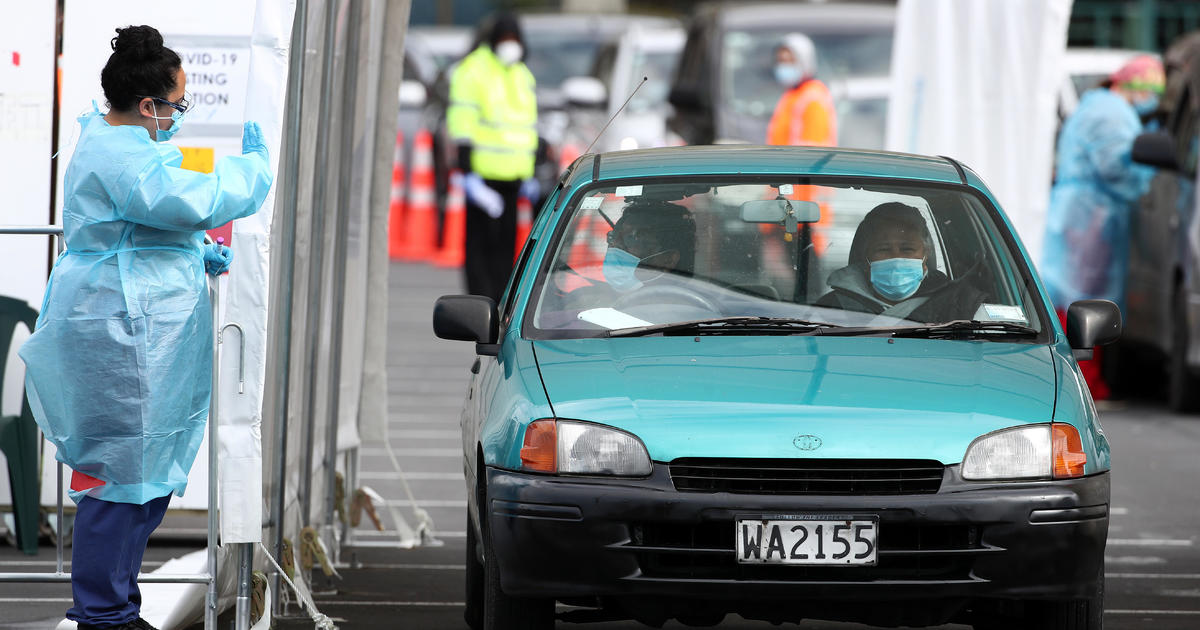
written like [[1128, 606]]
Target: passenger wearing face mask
[[492, 118], [650, 243], [119, 367], [805, 114], [1085, 254], [890, 272]]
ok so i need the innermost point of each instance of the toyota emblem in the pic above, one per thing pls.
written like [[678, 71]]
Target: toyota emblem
[[807, 442]]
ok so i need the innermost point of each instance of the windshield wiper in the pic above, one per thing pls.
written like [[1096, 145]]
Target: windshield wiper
[[720, 325], [965, 329]]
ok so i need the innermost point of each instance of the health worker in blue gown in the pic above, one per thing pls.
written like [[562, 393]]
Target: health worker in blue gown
[[1097, 184], [118, 370]]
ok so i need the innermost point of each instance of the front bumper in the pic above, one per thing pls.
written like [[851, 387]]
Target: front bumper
[[592, 537]]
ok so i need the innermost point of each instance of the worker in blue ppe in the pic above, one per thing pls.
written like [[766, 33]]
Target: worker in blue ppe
[[492, 119], [118, 370], [1097, 184]]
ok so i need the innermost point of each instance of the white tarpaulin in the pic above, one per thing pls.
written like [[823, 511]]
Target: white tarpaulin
[[977, 80], [247, 296]]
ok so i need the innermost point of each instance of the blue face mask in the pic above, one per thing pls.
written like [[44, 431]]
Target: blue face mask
[[897, 278], [162, 135], [1146, 106], [787, 74], [619, 268]]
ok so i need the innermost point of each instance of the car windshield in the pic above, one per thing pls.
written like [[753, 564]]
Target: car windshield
[[854, 256], [658, 68], [555, 56], [749, 87]]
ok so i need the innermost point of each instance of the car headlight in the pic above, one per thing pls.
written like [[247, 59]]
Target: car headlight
[[1040, 451], [582, 448]]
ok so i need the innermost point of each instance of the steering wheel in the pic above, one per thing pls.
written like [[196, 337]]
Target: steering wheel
[[668, 293]]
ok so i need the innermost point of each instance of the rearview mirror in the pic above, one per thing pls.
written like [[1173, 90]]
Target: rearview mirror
[[1155, 149], [1092, 323], [777, 210], [468, 318]]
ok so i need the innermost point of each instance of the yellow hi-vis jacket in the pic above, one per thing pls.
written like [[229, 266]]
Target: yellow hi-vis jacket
[[494, 108]]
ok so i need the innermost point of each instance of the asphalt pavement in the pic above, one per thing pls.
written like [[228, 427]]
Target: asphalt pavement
[[1153, 558]]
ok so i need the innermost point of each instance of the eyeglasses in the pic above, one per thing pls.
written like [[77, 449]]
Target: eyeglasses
[[181, 106], [633, 240]]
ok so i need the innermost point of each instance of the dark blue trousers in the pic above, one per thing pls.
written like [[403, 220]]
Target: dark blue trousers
[[106, 555]]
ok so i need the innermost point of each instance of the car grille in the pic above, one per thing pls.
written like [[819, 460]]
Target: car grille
[[807, 476], [707, 550]]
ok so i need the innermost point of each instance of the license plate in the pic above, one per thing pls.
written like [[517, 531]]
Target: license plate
[[809, 540]]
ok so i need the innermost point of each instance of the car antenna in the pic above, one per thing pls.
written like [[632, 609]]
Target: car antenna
[[615, 114]]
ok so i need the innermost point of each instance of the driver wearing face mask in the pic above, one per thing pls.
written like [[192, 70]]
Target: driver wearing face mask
[[648, 244], [890, 272]]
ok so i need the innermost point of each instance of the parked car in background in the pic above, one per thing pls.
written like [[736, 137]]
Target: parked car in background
[[704, 439], [641, 52], [724, 90], [1162, 315]]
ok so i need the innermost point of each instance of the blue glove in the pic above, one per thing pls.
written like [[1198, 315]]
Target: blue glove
[[216, 259], [252, 139], [530, 189], [483, 195]]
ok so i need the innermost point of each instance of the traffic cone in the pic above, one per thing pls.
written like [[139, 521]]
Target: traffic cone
[[420, 212], [524, 223], [396, 203], [454, 228]]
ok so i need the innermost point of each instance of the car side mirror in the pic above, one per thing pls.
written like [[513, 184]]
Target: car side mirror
[[585, 92], [412, 94], [1092, 323], [468, 318], [1155, 149]]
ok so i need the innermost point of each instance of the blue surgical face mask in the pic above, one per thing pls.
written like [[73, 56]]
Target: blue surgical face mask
[[619, 268], [897, 278], [787, 74], [1146, 106], [162, 135]]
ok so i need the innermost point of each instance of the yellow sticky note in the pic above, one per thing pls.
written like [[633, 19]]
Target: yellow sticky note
[[197, 159]]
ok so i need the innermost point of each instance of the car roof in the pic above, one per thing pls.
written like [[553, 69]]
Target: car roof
[[815, 17], [1097, 60], [737, 159], [609, 24]]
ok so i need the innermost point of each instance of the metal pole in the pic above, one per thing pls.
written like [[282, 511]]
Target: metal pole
[[317, 260], [287, 254], [245, 564], [341, 238], [210, 604]]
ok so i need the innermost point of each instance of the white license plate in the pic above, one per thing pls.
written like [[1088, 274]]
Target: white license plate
[[815, 540]]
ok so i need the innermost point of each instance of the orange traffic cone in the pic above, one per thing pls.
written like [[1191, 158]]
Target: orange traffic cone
[[454, 228], [396, 204], [524, 223], [420, 221]]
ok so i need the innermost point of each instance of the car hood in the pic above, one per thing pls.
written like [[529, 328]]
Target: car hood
[[860, 397]]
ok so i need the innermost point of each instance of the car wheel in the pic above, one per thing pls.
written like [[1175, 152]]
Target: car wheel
[[473, 614], [503, 612], [1183, 388], [1071, 614]]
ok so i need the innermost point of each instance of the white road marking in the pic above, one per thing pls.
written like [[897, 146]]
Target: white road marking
[[1150, 542], [1153, 576], [1123, 611], [1118, 511], [429, 503], [1137, 560], [431, 476], [378, 451]]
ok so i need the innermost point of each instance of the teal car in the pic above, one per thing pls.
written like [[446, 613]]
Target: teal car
[[782, 383]]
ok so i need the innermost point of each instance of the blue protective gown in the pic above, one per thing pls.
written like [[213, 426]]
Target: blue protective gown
[[1097, 184], [119, 368]]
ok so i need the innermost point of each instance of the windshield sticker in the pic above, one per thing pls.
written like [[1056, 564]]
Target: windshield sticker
[[1003, 313], [785, 190], [611, 318], [629, 191], [591, 203]]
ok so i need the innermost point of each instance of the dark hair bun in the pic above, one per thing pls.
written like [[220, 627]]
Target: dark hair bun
[[138, 42]]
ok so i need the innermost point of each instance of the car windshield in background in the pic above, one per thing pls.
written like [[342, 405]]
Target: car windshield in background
[[868, 257], [554, 56], [747, 82], [658, 68]]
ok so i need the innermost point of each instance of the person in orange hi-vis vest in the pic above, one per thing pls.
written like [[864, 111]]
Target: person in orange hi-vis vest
[[805, 113]]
